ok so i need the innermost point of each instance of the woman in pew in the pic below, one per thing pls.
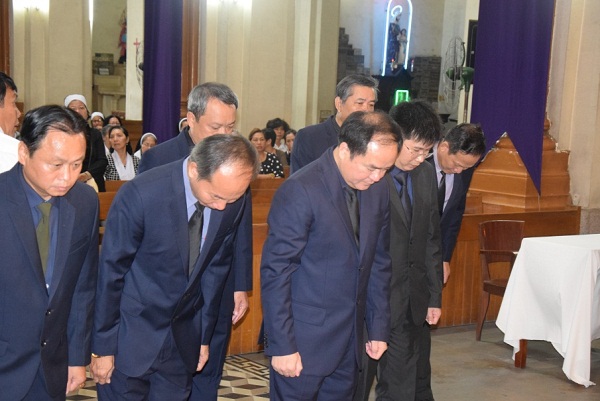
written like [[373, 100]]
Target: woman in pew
[[270, 166], [147, 141], [122, 165], [289, 137]]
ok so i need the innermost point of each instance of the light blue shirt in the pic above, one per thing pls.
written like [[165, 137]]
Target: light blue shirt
[[190, 202]]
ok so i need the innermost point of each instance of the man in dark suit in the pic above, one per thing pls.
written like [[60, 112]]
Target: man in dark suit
[[48, 260], [453, 159], [415, 248], [325, 268], [212, 109], [353, 93], [155, 306]]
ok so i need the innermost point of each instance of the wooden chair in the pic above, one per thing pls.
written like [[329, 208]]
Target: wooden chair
[[113, 185], [499, 241]]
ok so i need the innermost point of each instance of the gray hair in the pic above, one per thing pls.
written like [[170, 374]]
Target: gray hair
[[201, 94], [345, 87], [221, 150]]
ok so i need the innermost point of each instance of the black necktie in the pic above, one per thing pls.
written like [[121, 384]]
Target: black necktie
[[402, 177], [195, 231], [353, 210], [42, 233], [442, 192]]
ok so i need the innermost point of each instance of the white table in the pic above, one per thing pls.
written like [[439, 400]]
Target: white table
[[553, 294]]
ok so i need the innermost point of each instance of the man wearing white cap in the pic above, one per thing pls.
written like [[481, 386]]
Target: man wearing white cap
[[95, 161]]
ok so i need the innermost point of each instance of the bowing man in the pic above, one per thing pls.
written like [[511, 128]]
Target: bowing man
[[166, 254]]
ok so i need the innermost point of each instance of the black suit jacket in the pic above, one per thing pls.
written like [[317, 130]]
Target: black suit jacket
[[37, 326], [451, 218], [312, 141], [417, 274]]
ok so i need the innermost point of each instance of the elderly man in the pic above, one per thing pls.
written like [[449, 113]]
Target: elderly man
[[212, 110], [353, 93], [9, 121], [48, 260], [325, 266], [162, 274]]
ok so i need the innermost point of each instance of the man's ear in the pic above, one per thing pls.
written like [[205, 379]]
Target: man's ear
[[338, 103], [23, 153]]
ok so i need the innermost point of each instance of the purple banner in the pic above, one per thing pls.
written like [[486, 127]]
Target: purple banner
[[511, 75], [162, 67]]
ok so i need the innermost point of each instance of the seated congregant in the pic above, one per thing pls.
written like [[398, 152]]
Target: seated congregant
[[270, 139], [147, 141], [270, 166], [122, 164]]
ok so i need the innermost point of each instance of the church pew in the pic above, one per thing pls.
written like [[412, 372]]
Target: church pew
[[244, 336]]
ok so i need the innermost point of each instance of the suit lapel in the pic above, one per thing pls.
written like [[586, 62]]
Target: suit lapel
[[66, 220], [23, 223], [395, 200], [179, 219], [333, 187]]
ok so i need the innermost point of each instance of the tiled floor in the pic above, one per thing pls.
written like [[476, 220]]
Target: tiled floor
[[462, 368]]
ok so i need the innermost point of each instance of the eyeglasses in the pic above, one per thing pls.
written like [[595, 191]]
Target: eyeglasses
[[417, 153]]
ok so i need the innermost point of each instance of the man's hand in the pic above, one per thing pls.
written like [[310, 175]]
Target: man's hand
[[446, 271], [376, 348], [433, 315], [203, 358], [287, 365], [102, 368], [240, 298], [76, 378]]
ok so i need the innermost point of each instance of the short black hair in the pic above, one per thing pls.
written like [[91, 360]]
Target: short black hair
[[361, 126], [418, 120], [466, 138], [6, 83], [288, 132], [345, 87], [278, 122], [39, 121], [270, 134], [224, 149]]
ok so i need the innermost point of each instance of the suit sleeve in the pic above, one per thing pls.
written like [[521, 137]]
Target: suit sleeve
[[123, 235], [82, 308], [300, 152], [289, 221], [451, 229], [148, 161], [242, 256], [433, 253], [378, 313]]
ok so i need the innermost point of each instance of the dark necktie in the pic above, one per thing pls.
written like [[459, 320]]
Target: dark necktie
[[402, 178], [353, 210], [42, 232], [195, 231], [442, 192]]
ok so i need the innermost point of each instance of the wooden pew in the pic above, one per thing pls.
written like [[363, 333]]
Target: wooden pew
[[266, 183], [105, 199], [113, 185], [244, 336], [261, 195]]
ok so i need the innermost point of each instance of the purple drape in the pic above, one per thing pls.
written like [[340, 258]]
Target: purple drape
[[162, 67], [511, 75]]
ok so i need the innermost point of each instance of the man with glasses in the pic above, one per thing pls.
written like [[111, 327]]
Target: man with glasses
[[415, 248], [453, 159]]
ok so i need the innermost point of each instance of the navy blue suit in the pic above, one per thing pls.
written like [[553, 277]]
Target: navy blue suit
[[144, 294], [40, 328], [318, 287], [312, 141], [206, 383]]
